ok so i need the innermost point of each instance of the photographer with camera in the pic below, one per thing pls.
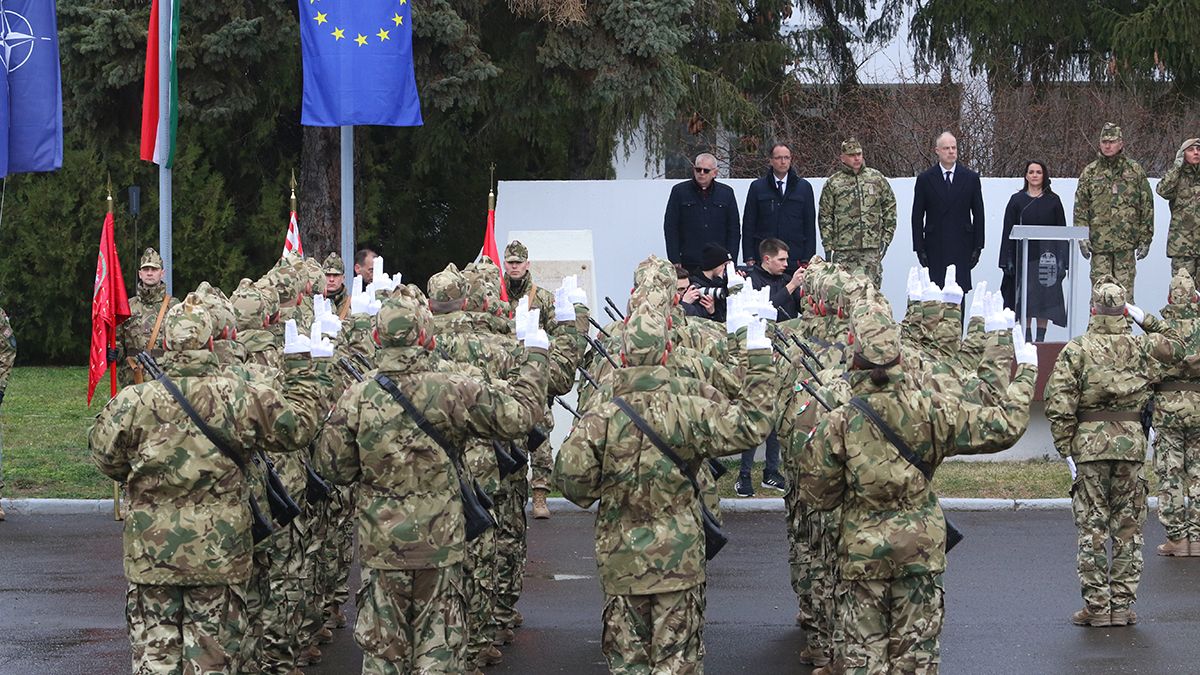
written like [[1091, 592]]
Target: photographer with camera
[[712, 283], [771, 272]]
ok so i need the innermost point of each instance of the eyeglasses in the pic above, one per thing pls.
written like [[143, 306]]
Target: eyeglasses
[[700, 169]]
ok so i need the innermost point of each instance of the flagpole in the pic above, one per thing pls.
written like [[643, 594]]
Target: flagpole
[[348, 200], [165, 247], [112, 379]]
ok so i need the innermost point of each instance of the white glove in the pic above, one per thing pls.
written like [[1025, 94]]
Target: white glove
[[761, 305], [564, 311], [756, 335], [330, 323], [952, 293], [1135, 313], [536, 338], [576, 294], [321, 346], [994, 318], [521, 318], [736, 320], [533, 321], [1024, 351], [1010, 318], [732, 278], [293, 341], [914, 283], [977, 300], [930, 292], [1071, 466]]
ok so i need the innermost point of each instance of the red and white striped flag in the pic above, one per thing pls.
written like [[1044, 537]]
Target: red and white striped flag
[[158, 142], [291, 244]]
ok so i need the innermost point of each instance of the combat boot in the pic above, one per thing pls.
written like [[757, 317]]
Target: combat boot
[[309, 656], [1085, 617], [337, 618], [1124, 617], [540, 510], [504, 636], [489, 657], [1174, 547], [324, 636]]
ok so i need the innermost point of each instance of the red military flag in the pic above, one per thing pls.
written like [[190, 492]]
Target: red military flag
[[489, 243], [110, 308], [291, 243]]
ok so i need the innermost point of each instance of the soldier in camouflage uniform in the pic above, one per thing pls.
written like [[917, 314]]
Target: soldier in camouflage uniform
[[1177, 424], [1094, 402], [857, 214], [654, 613], [133, 336], [411, 527], [334, 289], [519, 283], [1114, 200], [1181, 188], [187, 536], [8, 354], [893, 534]]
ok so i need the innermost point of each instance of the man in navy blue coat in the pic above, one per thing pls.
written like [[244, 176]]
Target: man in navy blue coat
[[700, 211], [947, 216], [780, 205]]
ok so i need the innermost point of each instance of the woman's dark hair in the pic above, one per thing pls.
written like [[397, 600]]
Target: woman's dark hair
[[1045, 175], [879, 375]]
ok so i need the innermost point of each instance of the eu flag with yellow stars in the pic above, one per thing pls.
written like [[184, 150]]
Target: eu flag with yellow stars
[[358, 63]]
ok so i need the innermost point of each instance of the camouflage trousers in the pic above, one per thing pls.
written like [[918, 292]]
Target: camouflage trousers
[[1190, 263], [479, 576], [258, 592], [510, 548], [812, 557], [1109, 502], [283, 612], [541, 464], [866, 260], [412, 621], [185, 629], [659, 633], [342, 543], [891, 625], [1122, 265], [1177, 463]]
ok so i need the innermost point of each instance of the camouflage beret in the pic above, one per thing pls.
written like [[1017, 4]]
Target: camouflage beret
[[309, 271], [252, 304], [1183, 288], [851, 146], [483, 285], [651, 298], [218, 305], [187, 325], [402, 320], [654, 272], [516, 252], [151, 258], [449, 285], [333, 264], [876, 335], [1110, 132], [283, 280], [1108, 293], [644, 338]]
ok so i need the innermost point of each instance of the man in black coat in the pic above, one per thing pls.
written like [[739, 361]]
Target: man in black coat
[[700, 211], [947, 216], [771, 272], [712, 284], [780, 205]]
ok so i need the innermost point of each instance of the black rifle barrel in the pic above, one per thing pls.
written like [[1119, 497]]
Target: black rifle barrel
[[614, 306], [558, 400], [600, 350], [599, 327]]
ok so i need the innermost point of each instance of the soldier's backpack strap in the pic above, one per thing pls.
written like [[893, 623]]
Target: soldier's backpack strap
[[714, 538], [345, 310], [162, 311]]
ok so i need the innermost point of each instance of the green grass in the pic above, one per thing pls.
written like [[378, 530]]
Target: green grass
[[45, 420]]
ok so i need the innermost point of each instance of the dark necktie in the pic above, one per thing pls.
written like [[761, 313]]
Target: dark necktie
[[779, 186], [948, 181]]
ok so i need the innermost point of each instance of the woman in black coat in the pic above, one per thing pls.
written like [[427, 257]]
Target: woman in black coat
[[1035, 204]]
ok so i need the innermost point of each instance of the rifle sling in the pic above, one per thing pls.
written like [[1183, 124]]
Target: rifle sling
[[658, 442], [162, 311], [208, 432], [453, 453], [894, 438]]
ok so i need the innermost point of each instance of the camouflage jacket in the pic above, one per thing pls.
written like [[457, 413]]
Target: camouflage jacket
[[857, 211], [410, 509], [892, 525], [1181, 188], [649, 537], [1107, 369], [8, 349], [261, 348], [1113, 198], [134, 333], [1177, 409], [189, 522], [539, 298]]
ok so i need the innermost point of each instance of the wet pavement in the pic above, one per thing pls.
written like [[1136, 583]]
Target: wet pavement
[[1010, 590]]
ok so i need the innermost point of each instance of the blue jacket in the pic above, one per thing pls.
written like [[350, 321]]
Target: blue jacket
[[791, 216], [693, 220]]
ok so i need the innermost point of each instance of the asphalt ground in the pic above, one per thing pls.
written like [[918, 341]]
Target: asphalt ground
[[1010, 589]]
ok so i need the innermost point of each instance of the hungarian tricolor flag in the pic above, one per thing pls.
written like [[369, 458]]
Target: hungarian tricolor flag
[[158, 140], [291, 243], [489, 244], [110, 308]]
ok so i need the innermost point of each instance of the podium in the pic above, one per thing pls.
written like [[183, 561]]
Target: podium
[[1023, 233]]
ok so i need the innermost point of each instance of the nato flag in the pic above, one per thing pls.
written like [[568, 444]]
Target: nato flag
[[30, 51], [358, 63]]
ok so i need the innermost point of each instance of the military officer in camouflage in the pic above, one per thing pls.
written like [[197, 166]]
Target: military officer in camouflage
[[1177, 424], [857, 214], [8, 354], [893, 534], [1113, 199], [1094, 402], [146, 310], [411, 526], [335, 285], [187, 538], [1181, 188], [649, 536]]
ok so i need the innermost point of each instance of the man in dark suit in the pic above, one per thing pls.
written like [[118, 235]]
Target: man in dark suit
[[780, 205], [700, 211], [947, 216]]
